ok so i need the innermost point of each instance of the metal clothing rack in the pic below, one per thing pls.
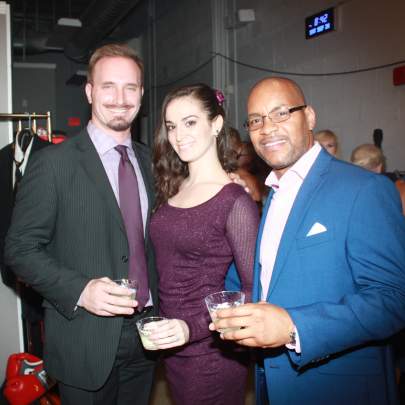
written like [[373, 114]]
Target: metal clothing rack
[[32, 117]]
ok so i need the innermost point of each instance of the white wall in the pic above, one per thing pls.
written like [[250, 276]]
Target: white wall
[[370, 33], [10, 335], [5, 73]]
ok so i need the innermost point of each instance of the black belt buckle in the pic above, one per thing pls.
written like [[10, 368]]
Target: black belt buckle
[[146, 310]]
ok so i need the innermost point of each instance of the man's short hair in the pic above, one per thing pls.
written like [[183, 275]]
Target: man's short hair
[[368, 156], [325, 134], [113, 50]]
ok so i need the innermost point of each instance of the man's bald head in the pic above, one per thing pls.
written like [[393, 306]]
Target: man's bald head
[[280, 143], [279, 84]]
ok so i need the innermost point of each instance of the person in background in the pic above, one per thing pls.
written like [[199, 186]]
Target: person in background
[[202, 223], [244, 159], [329, 140], [70, 238], [329, 269], [14, 158], [368, 156], [371, 157]]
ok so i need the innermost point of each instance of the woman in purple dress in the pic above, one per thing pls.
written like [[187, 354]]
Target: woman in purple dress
[[202, 223]]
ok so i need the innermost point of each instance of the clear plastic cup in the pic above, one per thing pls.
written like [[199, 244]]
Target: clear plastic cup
[[132, 285], [145, 328], [223, 300]]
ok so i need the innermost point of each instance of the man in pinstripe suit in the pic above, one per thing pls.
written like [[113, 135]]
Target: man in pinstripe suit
[[68, 241]]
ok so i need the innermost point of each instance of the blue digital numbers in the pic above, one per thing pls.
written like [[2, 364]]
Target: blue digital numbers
[[319, 23]]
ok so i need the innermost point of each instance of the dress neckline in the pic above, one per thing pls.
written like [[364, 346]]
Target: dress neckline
[[204, 202]]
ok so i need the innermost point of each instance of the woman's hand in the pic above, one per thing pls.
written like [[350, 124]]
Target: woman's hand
[[235, 178], [172, 333]]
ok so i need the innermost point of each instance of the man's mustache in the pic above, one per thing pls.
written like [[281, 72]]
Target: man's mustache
[[274, 138], [126, 106]]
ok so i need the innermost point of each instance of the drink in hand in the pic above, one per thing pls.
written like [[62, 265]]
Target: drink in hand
[[145, 328], [223, 300], [131, 285]]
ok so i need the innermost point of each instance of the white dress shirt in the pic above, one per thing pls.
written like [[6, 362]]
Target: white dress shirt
[[110, 159], [285, 192]]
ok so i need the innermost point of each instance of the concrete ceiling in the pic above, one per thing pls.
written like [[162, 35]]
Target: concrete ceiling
[[35, 27]]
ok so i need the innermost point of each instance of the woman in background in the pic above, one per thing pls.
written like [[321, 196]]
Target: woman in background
[[246, 157], [329, 140], [202, 223]]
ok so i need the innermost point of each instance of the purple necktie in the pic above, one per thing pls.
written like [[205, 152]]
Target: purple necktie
[[130, 206]]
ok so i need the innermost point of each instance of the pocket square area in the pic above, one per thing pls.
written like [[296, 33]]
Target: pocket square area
[[316, 228]]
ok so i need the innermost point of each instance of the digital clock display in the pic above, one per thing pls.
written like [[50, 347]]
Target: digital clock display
[[319, 23]]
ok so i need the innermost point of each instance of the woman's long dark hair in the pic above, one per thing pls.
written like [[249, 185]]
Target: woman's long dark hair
[[168, 169]]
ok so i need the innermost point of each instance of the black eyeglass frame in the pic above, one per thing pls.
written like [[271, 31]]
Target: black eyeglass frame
[[290, 111]]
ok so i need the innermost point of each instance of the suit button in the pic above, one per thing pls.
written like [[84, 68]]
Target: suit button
[[124, 259]]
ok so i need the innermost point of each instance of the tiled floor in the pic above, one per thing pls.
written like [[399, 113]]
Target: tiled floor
[[161, 395]]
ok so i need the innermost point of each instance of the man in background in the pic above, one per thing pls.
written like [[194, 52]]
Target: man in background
[[369, 157]]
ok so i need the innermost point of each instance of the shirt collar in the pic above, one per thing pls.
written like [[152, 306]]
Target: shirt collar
[[299, 169], [102, 141]]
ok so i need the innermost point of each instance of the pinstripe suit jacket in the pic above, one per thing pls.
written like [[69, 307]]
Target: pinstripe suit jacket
[[67, 229]]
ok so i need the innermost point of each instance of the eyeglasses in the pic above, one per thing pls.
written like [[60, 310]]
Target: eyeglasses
[[279, 114]]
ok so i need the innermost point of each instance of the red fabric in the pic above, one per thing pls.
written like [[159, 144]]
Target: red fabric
[[24, 389], [22, 363], [55, 138]]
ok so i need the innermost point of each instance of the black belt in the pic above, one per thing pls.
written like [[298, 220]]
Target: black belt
[[146, 311]]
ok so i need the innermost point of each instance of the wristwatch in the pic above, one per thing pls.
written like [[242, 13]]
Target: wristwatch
[[293, 337]]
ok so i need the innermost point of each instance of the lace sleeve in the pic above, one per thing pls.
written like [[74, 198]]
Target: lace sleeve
[[241, 231]]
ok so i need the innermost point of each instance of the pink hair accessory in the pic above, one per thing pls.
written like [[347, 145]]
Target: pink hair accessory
[[220, 97]]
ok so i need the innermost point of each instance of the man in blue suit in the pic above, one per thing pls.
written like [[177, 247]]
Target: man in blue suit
[[329, 269]]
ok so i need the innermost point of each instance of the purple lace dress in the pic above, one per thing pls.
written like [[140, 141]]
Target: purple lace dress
[[194, 248]]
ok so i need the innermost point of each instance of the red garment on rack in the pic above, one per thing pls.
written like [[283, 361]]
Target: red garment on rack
[[55, 138]]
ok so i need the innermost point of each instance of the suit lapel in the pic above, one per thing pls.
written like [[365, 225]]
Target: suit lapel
[[257, 288], [145, 166], [94, 168], [143, 156], [297, 214]]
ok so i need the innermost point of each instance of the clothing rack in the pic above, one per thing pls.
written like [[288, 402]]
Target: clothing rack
[[32, 117]]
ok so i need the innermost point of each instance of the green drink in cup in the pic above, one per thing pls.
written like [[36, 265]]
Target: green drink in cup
[[145, 328]]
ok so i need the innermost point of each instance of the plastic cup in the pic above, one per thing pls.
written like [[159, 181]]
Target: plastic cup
[[223, 300], [132, 285], [145, 328]]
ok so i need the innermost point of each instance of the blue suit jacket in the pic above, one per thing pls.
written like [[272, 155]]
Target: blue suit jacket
[[344, 288]]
